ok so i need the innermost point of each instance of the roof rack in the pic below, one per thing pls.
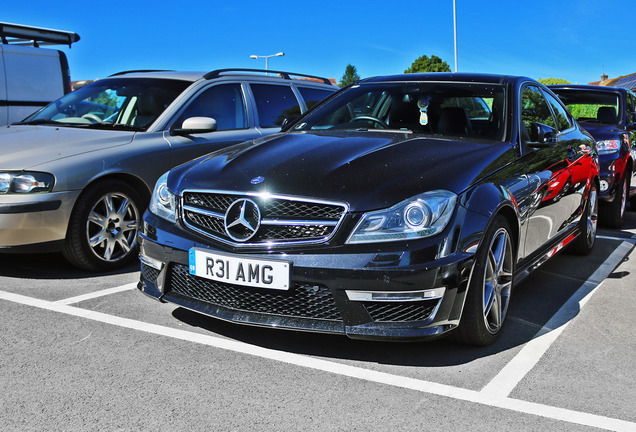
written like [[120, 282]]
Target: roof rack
[[285, 75], [139, 71], [18, 34]]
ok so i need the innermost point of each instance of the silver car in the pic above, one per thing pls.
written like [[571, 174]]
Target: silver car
[[77, 175]]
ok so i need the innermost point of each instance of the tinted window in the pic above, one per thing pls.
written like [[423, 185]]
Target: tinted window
[[274, 103], [313, 95], [562, 118], [534, 109], [224, 103]]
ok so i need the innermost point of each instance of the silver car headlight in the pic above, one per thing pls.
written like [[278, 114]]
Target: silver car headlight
[[608, 146], [423, 215], [163, 203], [25, 182]]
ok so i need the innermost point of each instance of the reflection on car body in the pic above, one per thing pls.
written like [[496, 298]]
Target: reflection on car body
[[400, 211], [609, 115]]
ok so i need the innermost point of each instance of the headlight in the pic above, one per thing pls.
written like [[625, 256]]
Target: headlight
[[608, 146], [421, 216], [163, 202], [25, 182]]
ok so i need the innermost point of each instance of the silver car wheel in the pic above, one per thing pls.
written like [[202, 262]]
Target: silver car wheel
[[112, 225], [497, 281]]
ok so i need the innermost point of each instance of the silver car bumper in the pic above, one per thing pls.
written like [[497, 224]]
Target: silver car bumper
[[34, 219]]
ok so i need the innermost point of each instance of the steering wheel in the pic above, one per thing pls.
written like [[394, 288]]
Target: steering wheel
[[92, 117], [371, 118]]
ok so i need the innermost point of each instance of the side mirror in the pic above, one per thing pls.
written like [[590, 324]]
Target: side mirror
[[194, 125], [542, 135]]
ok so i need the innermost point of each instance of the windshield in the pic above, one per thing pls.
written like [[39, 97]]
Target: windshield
[[591, 106], [440, 108], [122, 103]]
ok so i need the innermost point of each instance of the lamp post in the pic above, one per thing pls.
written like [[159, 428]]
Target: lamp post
[[455, 31], [280, 54]]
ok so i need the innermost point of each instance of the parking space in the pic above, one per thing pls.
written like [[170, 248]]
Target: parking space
[[89, 352]]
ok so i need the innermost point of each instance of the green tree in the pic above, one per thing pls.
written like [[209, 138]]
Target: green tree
[[350, 76], [553, 81], [425, 64]]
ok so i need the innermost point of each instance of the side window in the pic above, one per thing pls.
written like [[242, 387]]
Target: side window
[[313, 95], [224, 103], [274, 103], [562, 118], [534, 109]]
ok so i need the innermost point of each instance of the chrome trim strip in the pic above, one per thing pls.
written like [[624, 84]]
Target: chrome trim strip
[[151, 262], [203, 212], [396, 296], [277, 222]]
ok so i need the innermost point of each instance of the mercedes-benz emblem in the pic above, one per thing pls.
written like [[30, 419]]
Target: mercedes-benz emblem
[[242, 219]]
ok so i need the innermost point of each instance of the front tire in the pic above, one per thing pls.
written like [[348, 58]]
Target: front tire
[[102, 232], [490, 287], [613, 214]]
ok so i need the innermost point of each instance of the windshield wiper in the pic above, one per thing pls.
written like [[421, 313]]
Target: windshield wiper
[[115, 126], [37, 122]]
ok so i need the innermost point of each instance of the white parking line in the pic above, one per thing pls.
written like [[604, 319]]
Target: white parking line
[[97, 294], [570, 416], [510, 376]]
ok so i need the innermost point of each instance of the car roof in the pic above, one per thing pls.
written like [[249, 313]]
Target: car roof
[[249, 74], [447, 76]]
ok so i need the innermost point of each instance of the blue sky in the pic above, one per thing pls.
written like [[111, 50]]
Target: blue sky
[[575, 40]]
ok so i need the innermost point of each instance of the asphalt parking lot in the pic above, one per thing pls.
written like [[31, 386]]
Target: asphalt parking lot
[[83, 352]]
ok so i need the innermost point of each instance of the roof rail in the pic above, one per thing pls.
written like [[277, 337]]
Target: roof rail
[[18, 34], [139, 71], [285, 75]]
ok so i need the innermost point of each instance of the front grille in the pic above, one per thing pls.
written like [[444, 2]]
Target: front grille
[[302, 301], [283, 220], [401, 312]]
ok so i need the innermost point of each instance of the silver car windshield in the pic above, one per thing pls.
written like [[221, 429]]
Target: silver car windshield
[[122, 103], [439, 108]]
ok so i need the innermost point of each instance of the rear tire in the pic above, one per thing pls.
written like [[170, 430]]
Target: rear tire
[[584, 243], [490, 286], [102, 231]]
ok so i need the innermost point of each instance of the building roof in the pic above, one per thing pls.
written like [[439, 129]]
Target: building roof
[[626, 81]]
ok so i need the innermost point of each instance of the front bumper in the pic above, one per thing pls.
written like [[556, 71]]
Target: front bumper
[[29, 221], [330, 287]]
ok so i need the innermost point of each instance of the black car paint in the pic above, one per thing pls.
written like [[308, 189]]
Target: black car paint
[[373, 170]]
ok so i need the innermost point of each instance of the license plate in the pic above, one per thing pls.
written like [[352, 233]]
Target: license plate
[[258, 273]]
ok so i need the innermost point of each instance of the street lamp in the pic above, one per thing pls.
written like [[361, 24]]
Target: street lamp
[[280, 54]]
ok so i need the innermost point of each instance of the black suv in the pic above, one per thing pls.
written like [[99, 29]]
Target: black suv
[[609, 114], [401, 207]]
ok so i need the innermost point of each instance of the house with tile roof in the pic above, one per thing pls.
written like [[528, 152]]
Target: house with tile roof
[[626, 81]]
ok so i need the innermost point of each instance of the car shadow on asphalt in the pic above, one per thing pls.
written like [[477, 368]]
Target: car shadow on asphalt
[[49, 266]]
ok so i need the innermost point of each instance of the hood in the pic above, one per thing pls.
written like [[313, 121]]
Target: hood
[[26, 147], [368, 170], [602, 131]]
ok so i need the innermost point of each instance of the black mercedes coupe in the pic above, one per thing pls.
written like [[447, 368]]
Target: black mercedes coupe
[[402, 207]]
